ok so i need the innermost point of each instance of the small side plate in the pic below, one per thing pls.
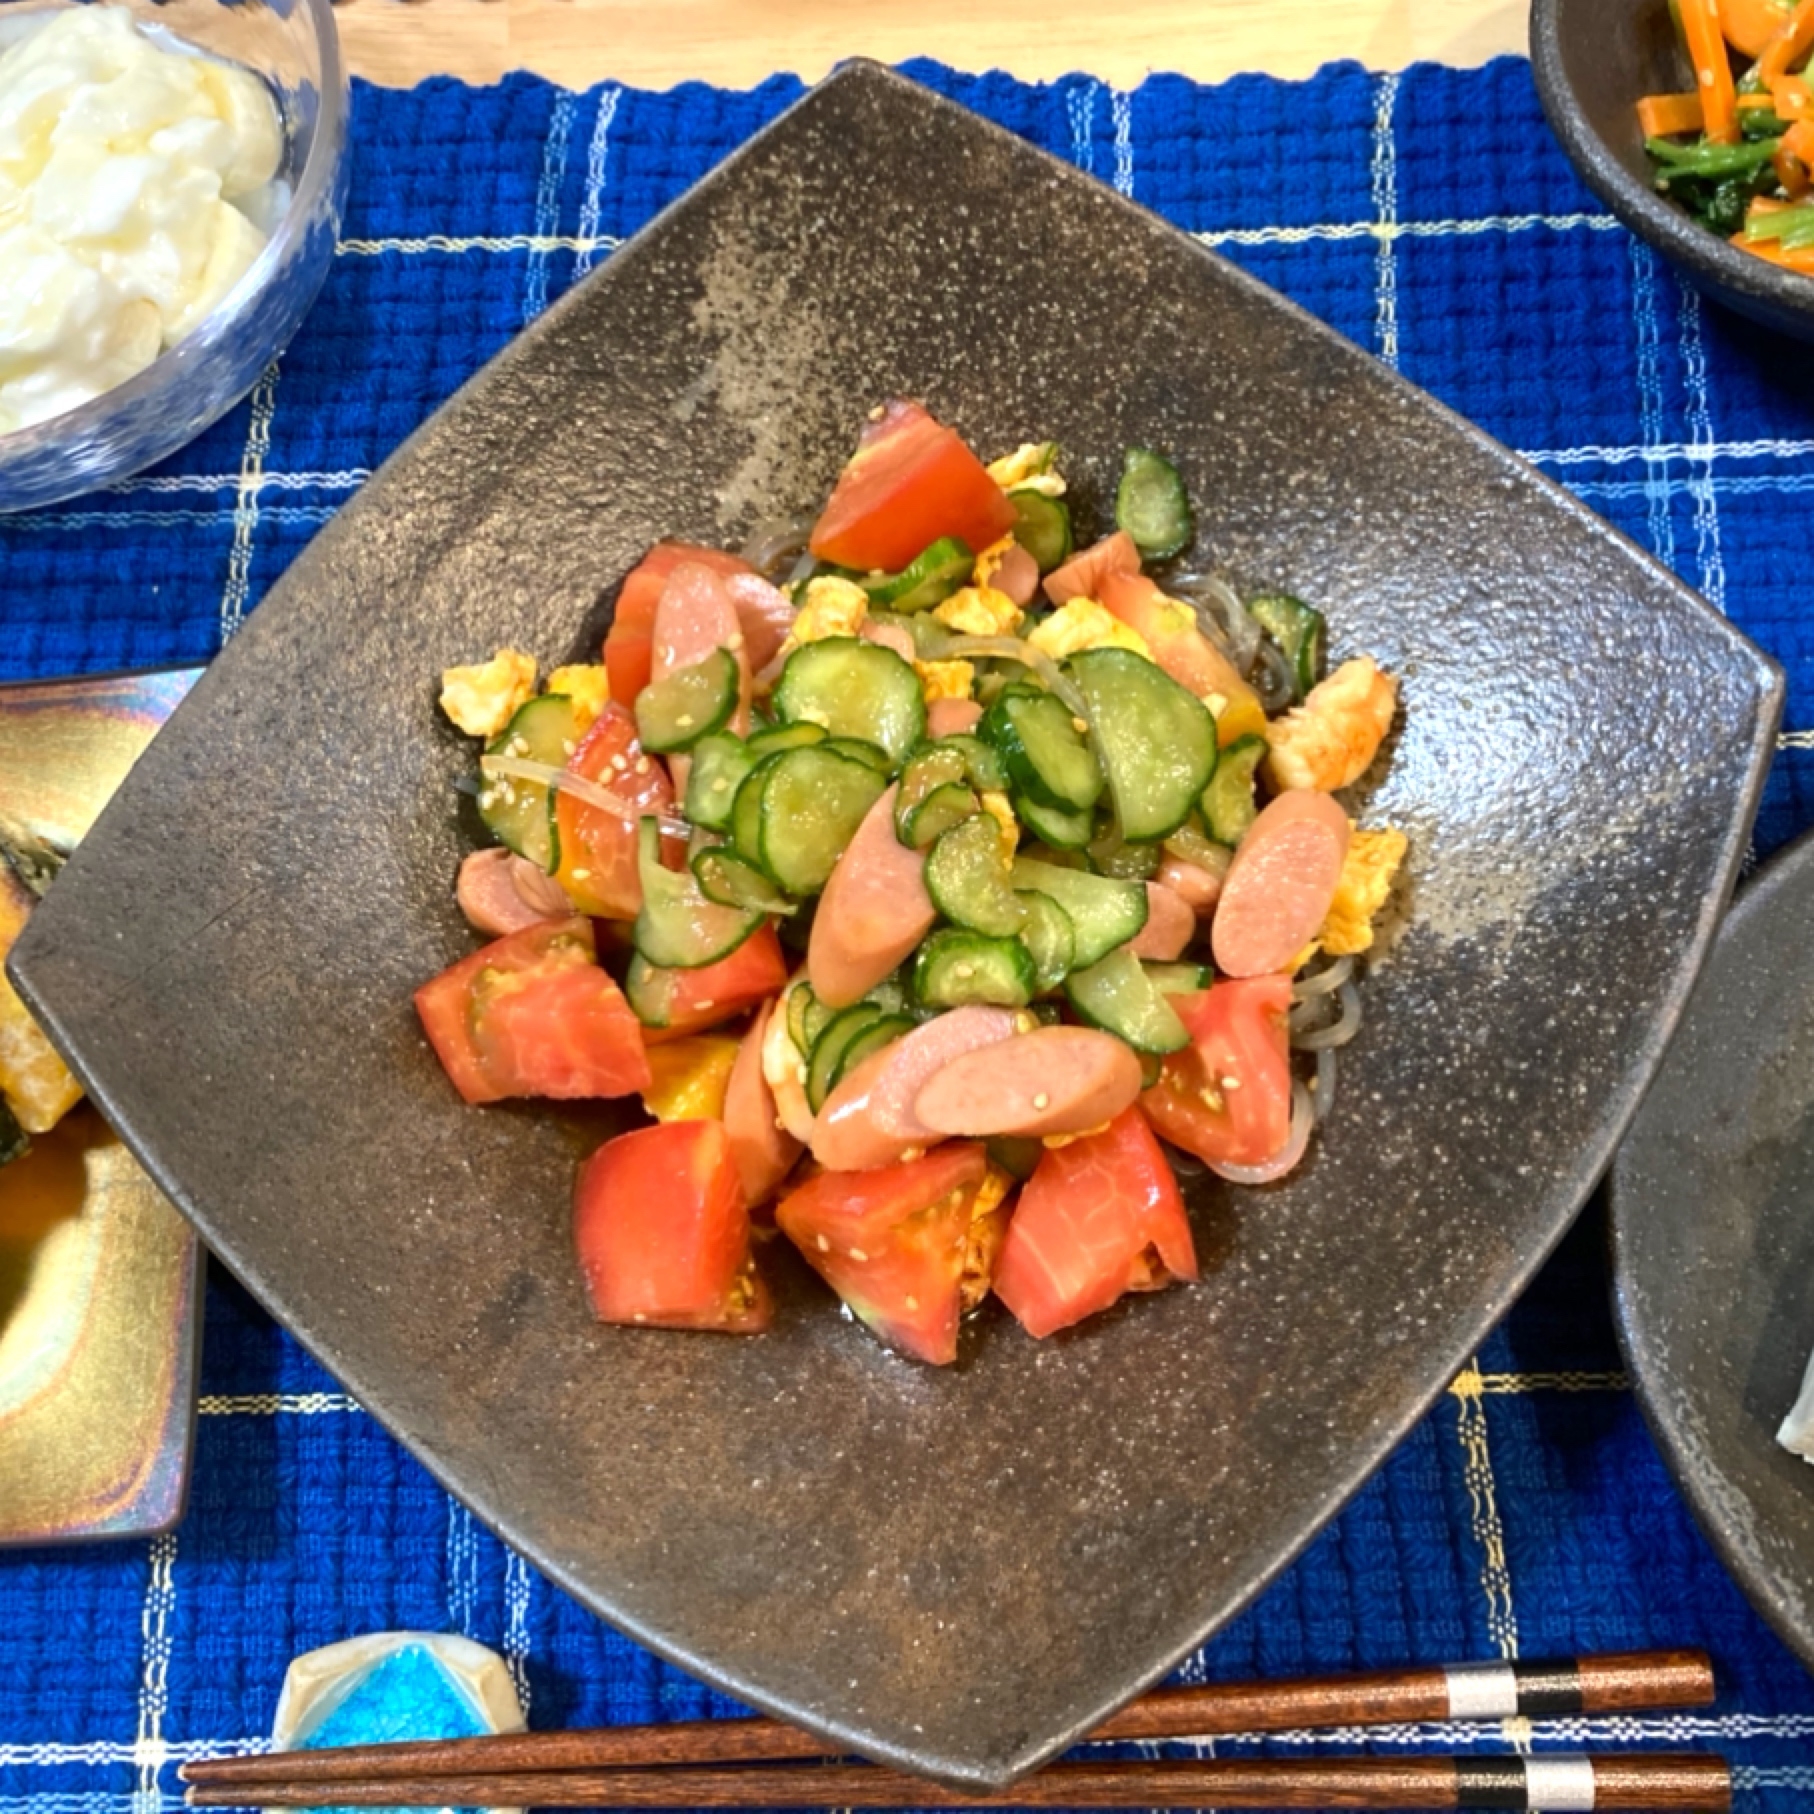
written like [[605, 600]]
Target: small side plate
[[100, 1279]]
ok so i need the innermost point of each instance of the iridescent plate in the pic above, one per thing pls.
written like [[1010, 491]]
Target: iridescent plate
[[100, 1279]]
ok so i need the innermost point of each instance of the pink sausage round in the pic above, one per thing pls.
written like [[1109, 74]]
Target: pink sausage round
[[874, 910], [1054, 1080], [869, 1119], [763, 615], [1082, 575], [1200, 888], [693, 617], [762, 1150], [500, 892], [1018, 576], [1170, 925], [890, 636], [952, 717], [1278, 889]]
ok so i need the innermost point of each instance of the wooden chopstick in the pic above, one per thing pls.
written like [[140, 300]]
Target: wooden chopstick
[[1553, 1781], [1623, 1683]]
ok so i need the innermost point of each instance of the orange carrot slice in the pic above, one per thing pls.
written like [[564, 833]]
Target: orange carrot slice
[[1749, 25], [1712, 70], [1659, 115], [1790, 47]]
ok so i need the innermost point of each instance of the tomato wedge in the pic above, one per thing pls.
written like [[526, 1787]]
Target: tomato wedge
[[663, 1236], [1099, 1217], [688, 1000], [630, 642], [910, 481], [1227, 1096], [1169, 629], [598, 848], [891, 1242], [533, 1015]]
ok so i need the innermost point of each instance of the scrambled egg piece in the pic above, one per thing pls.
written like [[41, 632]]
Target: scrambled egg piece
[[482, 699], [1029, 468], [830, 607], [983, 1237], [34, 1080], [997, 807], [1367, 873], [1084, 624], [979, 611], [988, 563], [945, 679], [1330, 739], [588, 686], [689, 1077]]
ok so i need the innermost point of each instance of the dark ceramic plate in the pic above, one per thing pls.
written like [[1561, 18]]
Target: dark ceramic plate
[[954, 1570], [1593, 60], [1713, 1238]]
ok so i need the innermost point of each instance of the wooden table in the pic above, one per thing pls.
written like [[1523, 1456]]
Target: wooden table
[[656, 43]]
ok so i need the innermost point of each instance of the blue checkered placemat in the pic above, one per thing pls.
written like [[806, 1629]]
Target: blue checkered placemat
[[1426, 215]]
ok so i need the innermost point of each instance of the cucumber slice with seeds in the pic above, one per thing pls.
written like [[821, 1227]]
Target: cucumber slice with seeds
[[829, 1048], [678, 928], [720, 763], [854, 689], [1299, 633], [733, 881], [1118, 996], [967, 877], [935, 815], [1112, 855], [812, 803], [520, 814], [1104, 913], [1047, 758], [1050, 938], [1228, 803], [859, 749], [872, 1038], [1060, 830], [673, 713], [1042, 526], [927, 580], [806, 1017], [746, 812], [1179, 979], [930, 767], [1151, 505], [982, 766], [1157, 741], [772, 739], [955, 969]]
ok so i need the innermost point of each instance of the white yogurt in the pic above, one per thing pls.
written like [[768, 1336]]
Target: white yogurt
[[130, 176]]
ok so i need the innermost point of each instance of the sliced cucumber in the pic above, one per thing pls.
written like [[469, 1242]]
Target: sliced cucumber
[[772, 739], [982, 766], [1042, 526], [1118, 996], [1179, 979], [879, 1033], [1061, 830], [860, 749], [673, 713], [1299, 632], [1112, 855], [1104, 913], [648, 990], [1228, 803], [735, 881], [955, 969], [678, 928], [812, 803], [720, 763], [927, 580], [1157, 740], [520, 814], [828, 1051], [1047, 758], [1150, 504], [1017, 1154], [854, 689], [1050, 938], [806, 1016], [967, 877], [746, 811], [930, 767], [935, 815], [929, 635]]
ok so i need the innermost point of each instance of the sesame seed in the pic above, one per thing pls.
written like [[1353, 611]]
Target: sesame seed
[[638, 1317], [488, 798], [734, 641], [913, 1152], [824, 1245], [913, 1303], [1080, 726], [1706, 76], [620, 763], [1042, 1101], [856, 1253], [568, 746], [1231, 1083], [721, 784], [643, 765], [684, 721], [703, 1005], [582, 875], [966, 971]]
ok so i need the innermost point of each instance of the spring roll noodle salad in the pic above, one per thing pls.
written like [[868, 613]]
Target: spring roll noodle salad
[[922, 872], [1737, 150]]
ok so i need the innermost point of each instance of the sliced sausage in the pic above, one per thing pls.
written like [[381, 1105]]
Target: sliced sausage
[[694, 616], [952, 717], [1278, 889], [890, 636], [763, 615], [1054, 1080], [874, 910], [1018, 576], [763, 1150], [1170, 925], [869, 1120], [1199, 888], [500, 892], [1082, 575]]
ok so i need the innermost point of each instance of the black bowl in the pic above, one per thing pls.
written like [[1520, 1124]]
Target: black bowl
[[954, 1569], [1593, 61]]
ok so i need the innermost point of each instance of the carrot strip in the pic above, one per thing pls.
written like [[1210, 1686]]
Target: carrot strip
[[1791, 44], [1791, 96], [1660, 115], [1712, 70], [1800, 258], [1791, 172], [1798, 141], [1749, 25], [1766, 204]]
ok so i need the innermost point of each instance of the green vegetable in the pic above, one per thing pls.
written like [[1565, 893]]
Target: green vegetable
[[847, 1038], [1112, 855], [872, 1038], [520, 814], [1703, 158], [1790, 227], [812, 803], [720, 763], [935, 815], [15, 1142], [1042, 526], [1103, 913], [967, 877], [1118, 996], [772, 739], [927, 580], [734, 881], [1151, 506], [673, 713], [1050, 938], [854, 689], [1157, 740], [806, 1016], [679, 927], [1298, 632], [1179, 979], [956, 968], [1228, 801], [1060, 830], [1046, 757]]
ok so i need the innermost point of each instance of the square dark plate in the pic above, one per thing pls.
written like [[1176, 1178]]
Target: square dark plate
[[957, 1571]]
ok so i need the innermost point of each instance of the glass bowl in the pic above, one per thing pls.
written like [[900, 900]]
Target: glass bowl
[[294, 46]]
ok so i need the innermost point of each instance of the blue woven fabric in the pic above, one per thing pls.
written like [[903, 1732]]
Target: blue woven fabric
[[1429, 217]]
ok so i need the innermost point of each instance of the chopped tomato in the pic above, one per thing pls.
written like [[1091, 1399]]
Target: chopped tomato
[[1169, 629], [1082, 575], [691, 999], [891, 1243], [533, 1015], [1098, 1217], [630, 642], [598, 847], [662, 1233], [1227, 1096], [910, 482]]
